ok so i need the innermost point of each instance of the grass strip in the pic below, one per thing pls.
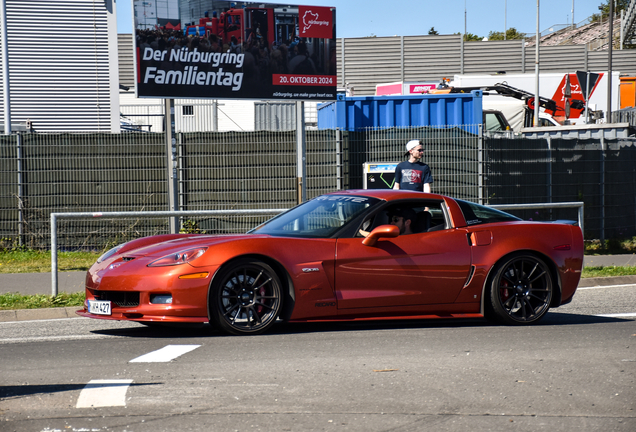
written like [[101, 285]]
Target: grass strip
[[13, 301], [608, 271], [33, 261]]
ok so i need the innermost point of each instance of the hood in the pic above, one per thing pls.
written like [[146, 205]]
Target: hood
[[158, 246]]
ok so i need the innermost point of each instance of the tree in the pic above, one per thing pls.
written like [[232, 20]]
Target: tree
[[432, 31], [605, 9], [511, 34], [471, 37]]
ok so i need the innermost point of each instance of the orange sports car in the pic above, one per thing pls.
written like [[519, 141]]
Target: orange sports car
[[351, 255]]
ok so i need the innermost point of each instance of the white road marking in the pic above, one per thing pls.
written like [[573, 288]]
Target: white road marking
[[618, 315], [53, 338], [605, 286], [103, 393], [165, 354]]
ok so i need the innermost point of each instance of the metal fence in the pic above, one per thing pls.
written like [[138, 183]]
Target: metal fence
[[57, 173]]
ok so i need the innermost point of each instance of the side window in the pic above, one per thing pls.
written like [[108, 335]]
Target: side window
[[413, 217], [492, 122], [476, 214]]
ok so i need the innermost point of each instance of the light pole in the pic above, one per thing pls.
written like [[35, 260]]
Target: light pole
[[505, 18], [536, 71]]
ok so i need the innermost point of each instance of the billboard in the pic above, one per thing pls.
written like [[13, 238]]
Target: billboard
[[207, 49]]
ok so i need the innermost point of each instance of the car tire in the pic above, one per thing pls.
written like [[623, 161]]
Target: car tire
[[245, 298], [520, 290]]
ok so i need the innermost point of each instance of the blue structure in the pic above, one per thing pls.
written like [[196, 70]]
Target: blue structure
[[441, 110]]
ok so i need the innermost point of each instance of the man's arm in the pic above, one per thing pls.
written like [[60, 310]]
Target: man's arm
[[427, 187], [397, 177]]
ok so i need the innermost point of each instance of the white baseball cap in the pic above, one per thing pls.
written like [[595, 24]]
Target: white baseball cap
[[412, 144]]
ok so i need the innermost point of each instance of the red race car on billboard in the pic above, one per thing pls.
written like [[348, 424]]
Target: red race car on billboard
[[365, 254]]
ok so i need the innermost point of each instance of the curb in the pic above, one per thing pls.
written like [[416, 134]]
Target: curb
[[606, 281], [38, 314]]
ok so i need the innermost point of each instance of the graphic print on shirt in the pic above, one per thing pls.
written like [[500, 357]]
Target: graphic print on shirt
[[412, 176]]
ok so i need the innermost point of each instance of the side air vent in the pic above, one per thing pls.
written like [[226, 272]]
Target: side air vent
[[470, 276]]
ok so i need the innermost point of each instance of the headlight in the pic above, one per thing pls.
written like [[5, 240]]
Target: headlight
[[178, 258], [110, 253]]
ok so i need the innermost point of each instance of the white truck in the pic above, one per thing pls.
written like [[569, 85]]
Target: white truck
[[553, 85]]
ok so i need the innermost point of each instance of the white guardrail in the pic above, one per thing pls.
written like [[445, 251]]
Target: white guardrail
[[173, 213], [79, 215]]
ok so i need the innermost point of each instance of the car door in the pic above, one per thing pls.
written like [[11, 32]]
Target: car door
[[417, 269]]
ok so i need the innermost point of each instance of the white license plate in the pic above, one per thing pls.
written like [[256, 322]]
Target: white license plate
[[99, 307]]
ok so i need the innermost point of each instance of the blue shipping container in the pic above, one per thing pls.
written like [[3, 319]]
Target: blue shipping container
[[357, 112]]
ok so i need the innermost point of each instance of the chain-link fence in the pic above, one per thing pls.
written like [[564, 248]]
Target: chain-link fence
[[44, 174]]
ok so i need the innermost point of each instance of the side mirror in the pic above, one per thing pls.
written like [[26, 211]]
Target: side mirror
[[383, 231]]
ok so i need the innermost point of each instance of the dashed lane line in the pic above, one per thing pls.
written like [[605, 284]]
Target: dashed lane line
[[165, 354], [103, 393]]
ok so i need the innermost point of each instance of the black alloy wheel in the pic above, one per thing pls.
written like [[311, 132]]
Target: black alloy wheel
[[245, 298], [521, 290]]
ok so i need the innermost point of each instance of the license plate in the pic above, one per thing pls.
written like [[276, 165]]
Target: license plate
[[99, 307]]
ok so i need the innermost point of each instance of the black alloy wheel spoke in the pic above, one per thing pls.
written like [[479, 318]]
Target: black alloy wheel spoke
[[537, 278], [529, 276], [257, 278], [258, 303], [231, 309], [255, 317], [524, 306], [263, 284], [512, 299], [537, 297], [508, 278]]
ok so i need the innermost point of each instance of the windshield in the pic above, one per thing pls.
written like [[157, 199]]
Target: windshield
[[319, 218], [476, 214]]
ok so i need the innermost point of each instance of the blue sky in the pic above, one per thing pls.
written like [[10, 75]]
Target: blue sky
[[360, 18]]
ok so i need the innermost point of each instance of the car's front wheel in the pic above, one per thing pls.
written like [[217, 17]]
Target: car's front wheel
[[521, 290], [245, 298]]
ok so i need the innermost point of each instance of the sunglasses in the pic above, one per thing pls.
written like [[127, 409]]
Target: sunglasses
[[396, 219]]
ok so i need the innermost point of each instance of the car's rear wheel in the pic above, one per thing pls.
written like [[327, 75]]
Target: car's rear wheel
[[245, 298], [521, 290]]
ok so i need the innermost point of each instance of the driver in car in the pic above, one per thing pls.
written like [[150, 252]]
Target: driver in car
[[403, 218]]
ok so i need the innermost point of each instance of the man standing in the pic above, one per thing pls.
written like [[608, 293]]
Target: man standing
[[413, 174]]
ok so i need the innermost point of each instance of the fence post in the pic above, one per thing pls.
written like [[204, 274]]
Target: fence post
[[53, 254], [602, 188], [20, 191], [215, 115], [339, 159], [480, 162], [549, 139], [301, 150], [180, 170], [171, 163]]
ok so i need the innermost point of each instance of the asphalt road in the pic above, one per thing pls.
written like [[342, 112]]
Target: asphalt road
[[576, 370]]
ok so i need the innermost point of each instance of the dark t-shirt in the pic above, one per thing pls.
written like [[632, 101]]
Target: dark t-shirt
[[413, 175]]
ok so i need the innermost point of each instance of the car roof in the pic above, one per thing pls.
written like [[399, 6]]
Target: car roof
[[390, 194]]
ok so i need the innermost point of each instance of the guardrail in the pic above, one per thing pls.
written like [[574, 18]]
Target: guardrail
[[79, 215]]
